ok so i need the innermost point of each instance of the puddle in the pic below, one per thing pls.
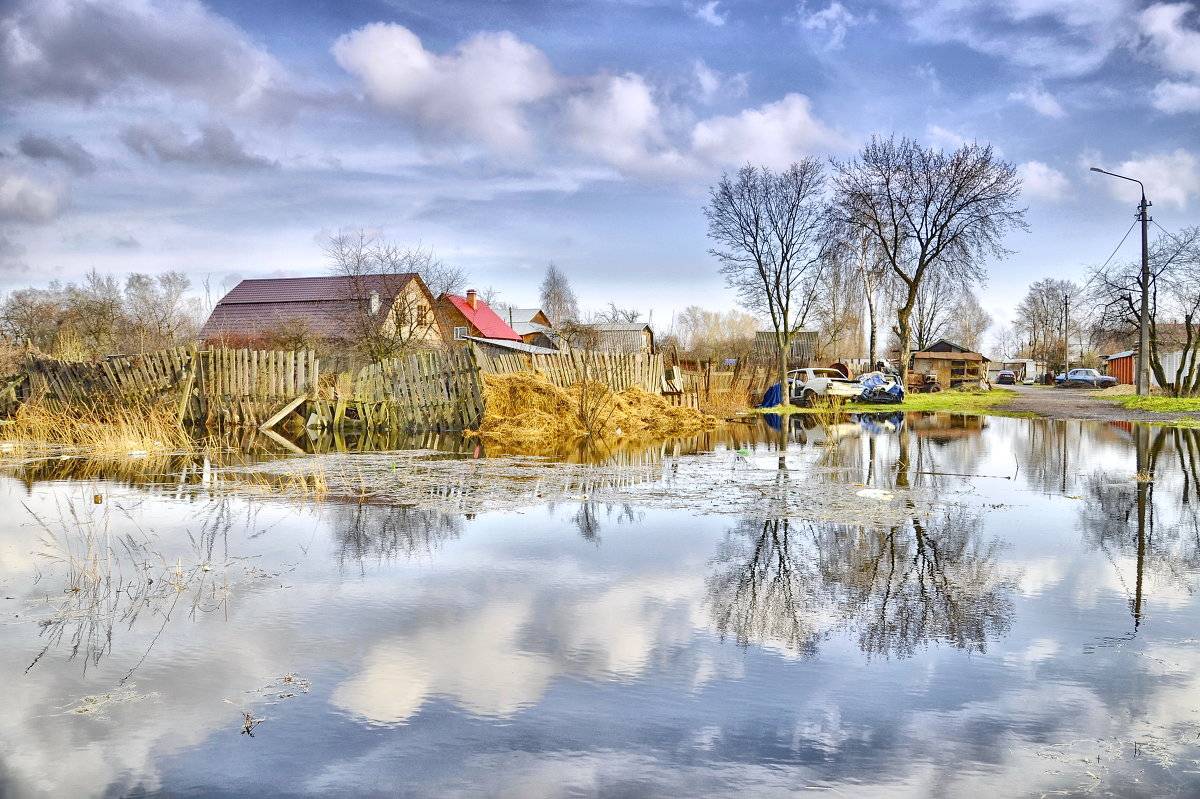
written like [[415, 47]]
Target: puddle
[[882, 607]]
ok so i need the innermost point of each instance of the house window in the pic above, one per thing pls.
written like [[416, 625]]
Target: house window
[[460, 333]]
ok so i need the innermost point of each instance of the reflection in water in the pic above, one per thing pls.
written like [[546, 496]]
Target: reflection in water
[[1152, 517], [583, 646], [383, 533], [900, 585]]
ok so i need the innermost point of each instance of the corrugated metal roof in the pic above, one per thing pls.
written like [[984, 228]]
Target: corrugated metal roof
[[521, 315], [483, 317], [515, 346], [322, 318]]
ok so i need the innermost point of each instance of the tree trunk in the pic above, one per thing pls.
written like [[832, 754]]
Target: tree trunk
[[904, 331], [785, 393]]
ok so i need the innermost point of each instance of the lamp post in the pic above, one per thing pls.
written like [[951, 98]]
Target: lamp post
[[1143, 361]]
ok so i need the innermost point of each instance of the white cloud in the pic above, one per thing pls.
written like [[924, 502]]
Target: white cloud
[[1042, 181], [772, 135], [1175, 97], [944, 137], [1055, 37], [1171, 43], [86, 50], [24, 199], [618, 120], [1171, 178], [480, 90], [709, 13], [1176, 48], [710, 83], [1039, 100], [835, 19]]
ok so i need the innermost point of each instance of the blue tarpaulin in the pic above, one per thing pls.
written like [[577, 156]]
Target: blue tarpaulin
[[772, 397]]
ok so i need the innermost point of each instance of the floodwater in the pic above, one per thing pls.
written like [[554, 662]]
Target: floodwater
[[1011, 612]]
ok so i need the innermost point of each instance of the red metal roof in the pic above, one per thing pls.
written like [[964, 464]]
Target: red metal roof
[[315, 289], [483, 317]]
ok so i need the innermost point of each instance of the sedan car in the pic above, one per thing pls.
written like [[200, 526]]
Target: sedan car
[[1085, 378], [1006, 377], [809, 384]]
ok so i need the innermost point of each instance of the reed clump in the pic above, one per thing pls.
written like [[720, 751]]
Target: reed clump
[[526, 413], [105, 428]]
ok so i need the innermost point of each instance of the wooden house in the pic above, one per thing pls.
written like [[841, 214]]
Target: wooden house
[[330, 308], [533, 326], [952, 364]]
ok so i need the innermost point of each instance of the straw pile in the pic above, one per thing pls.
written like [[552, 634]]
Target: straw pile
[[525, 412]]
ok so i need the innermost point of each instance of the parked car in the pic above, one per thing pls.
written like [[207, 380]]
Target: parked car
[[1084, 378], [1006, 377], [807, 385]]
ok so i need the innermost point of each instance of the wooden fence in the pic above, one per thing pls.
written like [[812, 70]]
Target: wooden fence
[[430, 391], [145, 376], [423, 391], [617, 370]]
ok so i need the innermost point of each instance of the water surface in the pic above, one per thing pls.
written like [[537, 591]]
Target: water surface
[[1033, 630]]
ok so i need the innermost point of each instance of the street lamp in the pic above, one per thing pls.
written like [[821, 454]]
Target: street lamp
[[1143, 369]]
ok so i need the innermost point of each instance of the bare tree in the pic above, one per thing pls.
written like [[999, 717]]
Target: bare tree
[[969, 321], [160, 309], [1174, 307], [1040, 323], [705, 334], [385, 312], [771, 236], [928, 211], [937, 298], [614, 314], [558, 300]]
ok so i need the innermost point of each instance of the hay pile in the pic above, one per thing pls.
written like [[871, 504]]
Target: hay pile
[[1119, 390], [527, 413]]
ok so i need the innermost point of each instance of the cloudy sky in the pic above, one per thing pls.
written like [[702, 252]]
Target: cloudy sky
[[229, 139]]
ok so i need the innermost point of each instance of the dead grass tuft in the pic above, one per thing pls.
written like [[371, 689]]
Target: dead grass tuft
[[113, 428], [527, 414]]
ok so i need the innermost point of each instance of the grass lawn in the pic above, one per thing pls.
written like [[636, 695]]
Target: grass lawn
[[947, 401], [1158, 404]]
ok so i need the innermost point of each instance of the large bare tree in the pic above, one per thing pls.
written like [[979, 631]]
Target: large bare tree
[[377, 272], [770, 235], [928, 211]]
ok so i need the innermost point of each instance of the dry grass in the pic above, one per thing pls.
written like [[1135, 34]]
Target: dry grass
[[526, 413], [111, 429]]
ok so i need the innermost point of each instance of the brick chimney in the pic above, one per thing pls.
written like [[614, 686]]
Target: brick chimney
[[472, 299]]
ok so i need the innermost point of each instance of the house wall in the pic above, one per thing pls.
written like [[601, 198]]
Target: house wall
[[412, 310], [450, 318]]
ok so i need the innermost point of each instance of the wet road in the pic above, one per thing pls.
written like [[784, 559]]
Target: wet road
[[1081, 403]]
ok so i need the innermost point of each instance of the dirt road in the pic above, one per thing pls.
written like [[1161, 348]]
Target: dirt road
[[1081, 403]]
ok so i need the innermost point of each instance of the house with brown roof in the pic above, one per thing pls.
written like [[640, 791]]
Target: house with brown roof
[[334, 308]]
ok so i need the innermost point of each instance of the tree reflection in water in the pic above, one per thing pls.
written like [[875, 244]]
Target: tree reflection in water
[[382, 532], [793, 583], [1123, 516]]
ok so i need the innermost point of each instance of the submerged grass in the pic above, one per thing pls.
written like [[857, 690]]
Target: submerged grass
[[112, 428]]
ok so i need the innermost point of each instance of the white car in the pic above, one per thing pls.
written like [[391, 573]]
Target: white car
[[807, 385]]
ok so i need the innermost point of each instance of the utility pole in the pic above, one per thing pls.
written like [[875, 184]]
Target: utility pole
[[1143, 354], [1066, 333]]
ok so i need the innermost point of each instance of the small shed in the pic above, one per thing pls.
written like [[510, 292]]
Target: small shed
[[1122, 365], [612, 337], [953, 364], [803, 349]]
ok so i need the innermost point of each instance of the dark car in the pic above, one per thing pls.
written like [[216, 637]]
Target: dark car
[[1085, 378], [1006, 377]]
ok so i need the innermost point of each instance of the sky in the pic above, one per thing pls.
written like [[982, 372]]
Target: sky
[[231, 139]]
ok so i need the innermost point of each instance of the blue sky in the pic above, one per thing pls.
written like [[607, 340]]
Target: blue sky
[[229, 139]]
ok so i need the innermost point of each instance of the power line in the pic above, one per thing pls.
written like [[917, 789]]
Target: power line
[[1118, 247]]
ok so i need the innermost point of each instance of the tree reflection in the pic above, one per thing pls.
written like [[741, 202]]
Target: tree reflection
[[926, 579], [1153, 517], [382, 532]]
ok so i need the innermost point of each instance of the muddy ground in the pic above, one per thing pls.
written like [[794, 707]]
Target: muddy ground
[[1081, 403]]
